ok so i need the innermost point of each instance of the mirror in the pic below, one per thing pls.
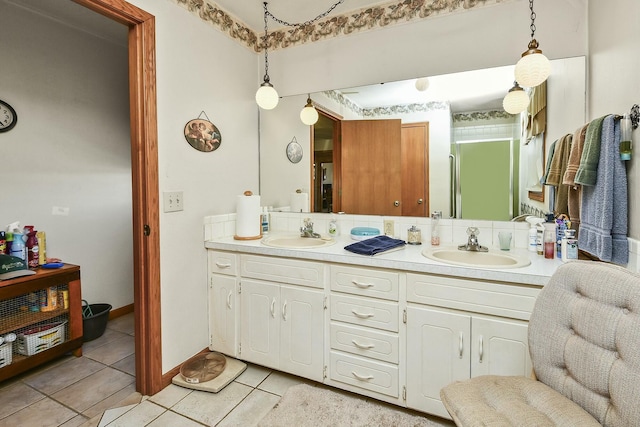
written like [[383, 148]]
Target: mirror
[[470, 115]]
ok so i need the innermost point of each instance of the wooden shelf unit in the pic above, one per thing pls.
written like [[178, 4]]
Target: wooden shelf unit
[[68, 274]]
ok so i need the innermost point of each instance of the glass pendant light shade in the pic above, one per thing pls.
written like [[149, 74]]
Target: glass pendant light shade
[[422, 84], [266, 97], [533, 68], [309, 115], [516, 100]]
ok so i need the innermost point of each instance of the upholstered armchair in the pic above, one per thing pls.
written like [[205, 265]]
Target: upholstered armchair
[[584, 341]]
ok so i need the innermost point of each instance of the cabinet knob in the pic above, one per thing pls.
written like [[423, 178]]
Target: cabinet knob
[[396, 203], [420, 201]]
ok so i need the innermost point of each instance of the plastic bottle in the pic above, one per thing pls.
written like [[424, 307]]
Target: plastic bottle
[[625, 138], [3, 243], [533, 233], [18, 248], [549, 238], [33, 250], [435, 231], [333, 227], [569, 246], [265, 220]]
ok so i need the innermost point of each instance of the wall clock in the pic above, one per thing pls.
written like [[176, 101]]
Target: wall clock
[[8, 117]]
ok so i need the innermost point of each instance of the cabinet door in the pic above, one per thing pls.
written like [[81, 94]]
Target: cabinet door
[[437, 354], [301, 332], [260, 324], [500, 347], [223, 325]]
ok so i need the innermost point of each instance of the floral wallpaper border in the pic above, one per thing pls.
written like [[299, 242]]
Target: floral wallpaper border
[[380, 16], [481, 115]]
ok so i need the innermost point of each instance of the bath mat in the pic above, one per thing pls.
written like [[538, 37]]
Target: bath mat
[[310, 406]]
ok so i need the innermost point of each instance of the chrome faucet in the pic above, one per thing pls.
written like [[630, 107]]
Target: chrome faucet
[[472, 243], [307, 229]]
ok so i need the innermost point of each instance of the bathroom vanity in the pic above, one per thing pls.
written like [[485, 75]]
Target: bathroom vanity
[[396, 327]]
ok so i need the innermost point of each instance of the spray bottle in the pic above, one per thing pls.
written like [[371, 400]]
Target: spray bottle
[[534, 222]]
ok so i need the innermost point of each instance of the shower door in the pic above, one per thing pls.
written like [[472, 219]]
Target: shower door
[[484, 179]]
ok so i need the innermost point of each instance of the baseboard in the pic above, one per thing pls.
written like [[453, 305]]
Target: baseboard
[[120, 311], [167, 377]]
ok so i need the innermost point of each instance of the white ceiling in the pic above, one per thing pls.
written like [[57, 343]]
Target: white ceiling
[[469, 91]]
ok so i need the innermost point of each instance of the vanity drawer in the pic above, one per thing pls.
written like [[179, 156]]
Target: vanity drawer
[[364, 281], [480, 296], [364, 373], [223, 262], [365, 312], [283, 270], [365, 342]]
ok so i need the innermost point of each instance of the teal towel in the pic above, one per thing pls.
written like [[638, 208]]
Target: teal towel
[[588, 169], [375, 245]]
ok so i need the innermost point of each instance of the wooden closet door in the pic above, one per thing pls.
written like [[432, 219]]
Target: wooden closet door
[[415, 169], [371, 171]]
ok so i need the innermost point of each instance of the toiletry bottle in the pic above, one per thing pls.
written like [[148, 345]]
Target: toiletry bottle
[[561, 226], [435, 231], [18, 247], [539, 241], [3, 243], [42, 245], [265, 220], [533, 233], [333, 227], [569, 246], [625, 138], [549, 238], [33, 250]]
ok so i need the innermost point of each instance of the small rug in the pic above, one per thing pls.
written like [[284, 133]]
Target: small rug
[[309, 406]]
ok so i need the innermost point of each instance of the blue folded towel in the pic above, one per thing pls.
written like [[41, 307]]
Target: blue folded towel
[[375, 245]]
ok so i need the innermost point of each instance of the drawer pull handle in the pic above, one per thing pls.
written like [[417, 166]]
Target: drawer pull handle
[[273, 308], [362, 315], [362, 285], [229, 300], [461, 344], [362, 378], [362, 346], [481, 348], [222, 265], [284, 310]]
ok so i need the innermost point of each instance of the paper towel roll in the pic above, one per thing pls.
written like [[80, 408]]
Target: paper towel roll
[[299, 202], [248, 217]]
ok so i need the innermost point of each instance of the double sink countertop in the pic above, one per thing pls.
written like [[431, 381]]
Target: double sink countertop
[[409, 259]]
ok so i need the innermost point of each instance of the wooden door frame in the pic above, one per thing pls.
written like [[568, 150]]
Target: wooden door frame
[[144, 176]]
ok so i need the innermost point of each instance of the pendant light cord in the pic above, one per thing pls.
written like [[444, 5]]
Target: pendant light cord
[[264, 44], [533, 19], [309, 22]]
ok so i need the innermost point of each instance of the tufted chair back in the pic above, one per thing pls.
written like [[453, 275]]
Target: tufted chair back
[[584, 340]]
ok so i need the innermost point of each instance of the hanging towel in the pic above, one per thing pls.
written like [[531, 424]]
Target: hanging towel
[[375, 245], [603, 230], [556, 171], [537, 111], [586, 174], [552, 189], [575, 190]]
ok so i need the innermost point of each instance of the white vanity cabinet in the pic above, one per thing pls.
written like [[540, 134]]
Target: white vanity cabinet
[[364, 353], [282, 315], [223, 302], [460, 328]]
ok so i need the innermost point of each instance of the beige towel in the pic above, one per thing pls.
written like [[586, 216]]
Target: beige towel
[[537, 111], [556, 172], [575, 190]]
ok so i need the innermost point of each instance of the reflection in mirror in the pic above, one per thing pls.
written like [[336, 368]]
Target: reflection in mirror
[[439, 122]]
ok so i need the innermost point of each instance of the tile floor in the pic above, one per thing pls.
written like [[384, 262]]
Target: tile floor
[[98, 390]]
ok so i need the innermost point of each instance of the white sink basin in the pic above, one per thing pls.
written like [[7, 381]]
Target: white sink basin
[[491, 259], [296, 242]]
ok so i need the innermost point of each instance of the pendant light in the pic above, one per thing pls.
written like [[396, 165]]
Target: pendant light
[[266, 96], [422, 84], [533, 68], [309, 115], [516, 100]]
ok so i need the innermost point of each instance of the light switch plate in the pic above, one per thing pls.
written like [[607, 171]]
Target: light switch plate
[[173, 201]]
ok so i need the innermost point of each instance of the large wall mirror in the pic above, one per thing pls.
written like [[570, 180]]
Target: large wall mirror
[[460, 139]]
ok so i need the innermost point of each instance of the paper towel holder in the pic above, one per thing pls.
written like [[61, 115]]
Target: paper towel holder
[[256, 237]]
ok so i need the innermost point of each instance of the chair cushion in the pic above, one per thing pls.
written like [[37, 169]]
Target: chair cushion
[[498, 401]]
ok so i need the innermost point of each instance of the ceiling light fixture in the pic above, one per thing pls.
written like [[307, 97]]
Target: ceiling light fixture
[[422, 84], [533, 68], [266, 96], [309, 114], [516, 100]]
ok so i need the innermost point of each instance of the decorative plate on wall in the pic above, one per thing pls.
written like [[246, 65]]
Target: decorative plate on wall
[[294, 151], [8, 117], [202, 135]]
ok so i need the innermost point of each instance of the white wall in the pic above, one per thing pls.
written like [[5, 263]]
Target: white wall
[[70, 147], [614, 60], [198, 69]]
